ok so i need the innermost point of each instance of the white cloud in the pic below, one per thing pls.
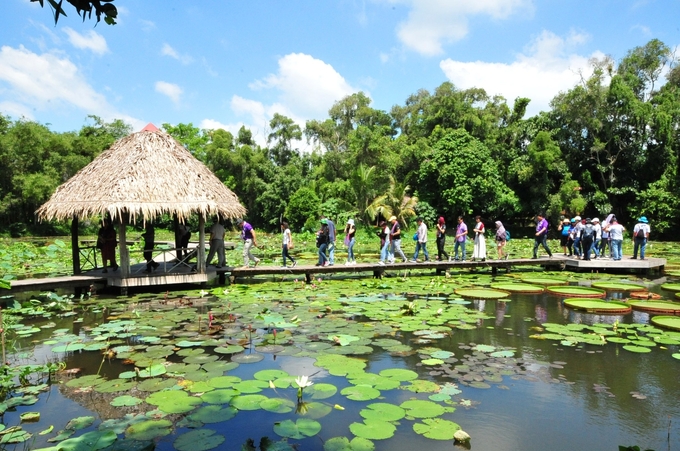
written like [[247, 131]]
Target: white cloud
[[167, 50], [432, 23], [89, 41], [15, 110], [548, 67], [307, 86], [171, 90]]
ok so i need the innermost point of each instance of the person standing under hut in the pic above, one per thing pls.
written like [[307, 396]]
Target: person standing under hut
[[479, 251], [421, 242], [541, 236], [322, 239], [216, 243], [350, 231], [564, 228], [182, 236], [441, 239], [149, 236], [107, 237], [640, 237], [616, 238], [249, 241], [287, 244], [461, 236], [501, 240], [395, 239]]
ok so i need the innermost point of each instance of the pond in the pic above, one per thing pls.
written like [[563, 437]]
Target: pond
[[395, 364]]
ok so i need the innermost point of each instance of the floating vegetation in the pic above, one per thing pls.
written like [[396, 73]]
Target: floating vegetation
[[481, 293], [663, 307], [616, 286], [577, 291], [518, 287], [598, 306], [668, 322]]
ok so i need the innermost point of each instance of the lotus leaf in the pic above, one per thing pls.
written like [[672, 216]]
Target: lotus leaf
[[399, 374], [382, 411], [322, 391], [85, 381], [543, 281], [153, 370], [303, 427], [270, 375], [224, 381], [671, 286], [198, 440], [148, 430], [422, 386], [230, 349], [373, 380], [125, 401], [219, 366], [343, 444], [637, 349], [223, 396], [314, 410], [418, 408], [373, 429], [436, 428], [213, 414], [360, 393], [200, 387], [156, 384], [173, 401], [27, 417], [663, 307], [80, 423], [114, 385], [200, 359], [251, 386]]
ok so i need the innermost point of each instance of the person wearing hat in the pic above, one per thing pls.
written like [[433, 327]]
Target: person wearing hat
[[350, 231], [616, 237], [461, 236], [422, 240], [216, 243], [322, 239], [640, 237], [395, 240], [598, 237], [564, 228], [249, 241]]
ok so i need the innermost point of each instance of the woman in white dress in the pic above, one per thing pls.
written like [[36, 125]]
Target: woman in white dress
[[479, 252]]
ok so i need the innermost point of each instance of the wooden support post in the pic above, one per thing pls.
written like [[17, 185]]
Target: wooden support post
[[377, 274], [200, 257], [308, 277], [123, 251], [75, 247], [494, 270], [222, 277]]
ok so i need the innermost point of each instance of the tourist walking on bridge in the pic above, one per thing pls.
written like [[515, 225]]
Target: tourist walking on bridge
[[249, 241], [541, 236], [441, 239], [461, 236]]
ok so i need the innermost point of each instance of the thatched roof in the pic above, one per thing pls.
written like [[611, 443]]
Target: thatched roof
[[144, 174]]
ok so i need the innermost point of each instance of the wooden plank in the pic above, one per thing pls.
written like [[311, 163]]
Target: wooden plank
[[51, 283]]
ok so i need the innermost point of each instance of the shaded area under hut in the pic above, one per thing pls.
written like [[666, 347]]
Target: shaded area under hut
[[141, 177]]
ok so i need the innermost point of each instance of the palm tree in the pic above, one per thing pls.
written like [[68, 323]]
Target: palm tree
[[362, 181], [395, 202]]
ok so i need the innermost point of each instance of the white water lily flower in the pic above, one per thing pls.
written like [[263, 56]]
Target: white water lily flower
[[303, 381]]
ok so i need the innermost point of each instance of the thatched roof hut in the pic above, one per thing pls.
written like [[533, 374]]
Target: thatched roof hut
[[145, 174]]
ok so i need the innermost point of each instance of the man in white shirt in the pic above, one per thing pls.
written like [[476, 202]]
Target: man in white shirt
[[422, 240]]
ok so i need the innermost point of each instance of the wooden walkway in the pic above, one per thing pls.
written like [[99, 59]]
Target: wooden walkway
[[626, 264]]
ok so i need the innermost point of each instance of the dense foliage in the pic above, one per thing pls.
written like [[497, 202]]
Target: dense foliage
[[608, 145]]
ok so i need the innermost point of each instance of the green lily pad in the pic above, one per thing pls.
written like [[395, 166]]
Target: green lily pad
[[299, 429], [14, 435], [321, 391], [373, 429], [230, 349], [173, 401], [518, 287], [669, 322], [481, 293], [213, 414], [343, 444], [125, 401], [598, 306], [314, 410], [156, 384], [663, 307], [360, 393], [399, 374], [546, 281], [114, 385], [148, 430], [671, 286], [223, 396], [436, 428], [637, 349], [251, 386], [29, 417], [576, 291], [421, 386], [248, 402], [247, 358], [90, 441], [270, 375], [80, 423], [418, 408], [224, 381], [277, 405], [615, 286], [198, 440], [383, 411]]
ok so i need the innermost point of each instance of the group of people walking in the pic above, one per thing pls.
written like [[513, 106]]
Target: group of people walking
[[581, 238]]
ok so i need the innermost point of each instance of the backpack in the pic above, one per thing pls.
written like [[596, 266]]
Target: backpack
[[507, 235], [588, 231], [640, 233]]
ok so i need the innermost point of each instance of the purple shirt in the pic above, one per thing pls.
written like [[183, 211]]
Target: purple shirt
[[462, 228], [247, 232], [542, 225]]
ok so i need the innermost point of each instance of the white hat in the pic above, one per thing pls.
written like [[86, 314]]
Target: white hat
[[577, 218], [350, 222], [596, 220]]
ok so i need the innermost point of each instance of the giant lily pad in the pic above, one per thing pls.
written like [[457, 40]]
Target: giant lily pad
[[671, 286], [303, 427], [577, 291], [546, 281], [597, 306], [664, 307], [481, 293], [615, 286], [125, 401], [517, 287], [669, 322]]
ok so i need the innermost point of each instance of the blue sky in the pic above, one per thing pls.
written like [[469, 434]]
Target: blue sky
[[223, 64]]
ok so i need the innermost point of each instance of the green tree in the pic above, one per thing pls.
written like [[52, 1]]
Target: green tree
[[397, 201], [84, 8], [284, 131], [302, 206]]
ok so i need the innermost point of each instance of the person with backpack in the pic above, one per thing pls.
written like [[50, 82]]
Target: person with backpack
[[322, 240], [541, 236], [640, 237], [616, 236], [502, 237], [587, 238]]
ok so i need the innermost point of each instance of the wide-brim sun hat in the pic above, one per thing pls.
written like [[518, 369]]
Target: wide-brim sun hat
[[350, 222], [596, 220], [643, 219], [392, 218], [565, 221], [577, 218]]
